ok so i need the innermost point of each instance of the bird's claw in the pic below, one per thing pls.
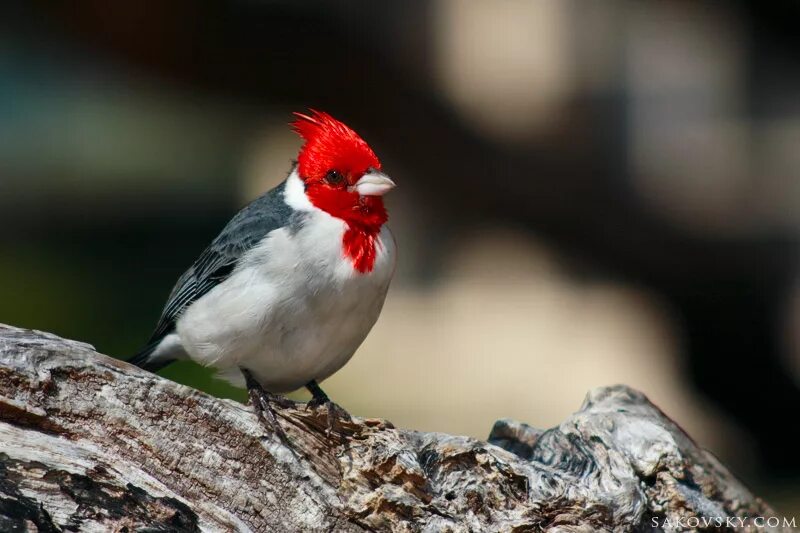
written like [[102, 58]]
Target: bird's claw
[[263, 401], [335, 412]]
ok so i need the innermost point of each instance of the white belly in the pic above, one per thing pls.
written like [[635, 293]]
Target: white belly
[[294, 311]]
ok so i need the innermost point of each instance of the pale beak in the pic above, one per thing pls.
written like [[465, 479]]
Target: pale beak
[[374, 183]]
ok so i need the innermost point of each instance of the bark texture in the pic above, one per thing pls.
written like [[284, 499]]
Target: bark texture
[[90, 443]]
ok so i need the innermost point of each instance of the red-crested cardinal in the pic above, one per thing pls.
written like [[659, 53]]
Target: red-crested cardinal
[[294, 282]]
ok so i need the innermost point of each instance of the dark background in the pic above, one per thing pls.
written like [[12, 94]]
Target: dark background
[[589, 193]]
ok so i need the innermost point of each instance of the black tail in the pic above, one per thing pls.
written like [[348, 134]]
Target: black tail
[[144, 361]]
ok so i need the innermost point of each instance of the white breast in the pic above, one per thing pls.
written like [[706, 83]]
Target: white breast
[[295, 309]]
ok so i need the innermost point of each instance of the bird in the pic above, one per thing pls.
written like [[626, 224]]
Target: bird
[[292, 285]]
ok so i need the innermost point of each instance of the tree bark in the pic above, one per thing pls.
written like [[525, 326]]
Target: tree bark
[[90, 443]]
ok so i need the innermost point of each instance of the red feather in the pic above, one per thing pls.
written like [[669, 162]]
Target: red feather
[[332, 145]]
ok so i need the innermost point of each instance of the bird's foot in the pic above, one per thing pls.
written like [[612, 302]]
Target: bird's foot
[[336, 413], [263, 402]]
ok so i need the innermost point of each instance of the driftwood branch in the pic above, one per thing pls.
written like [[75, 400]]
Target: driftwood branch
[[89, 443]]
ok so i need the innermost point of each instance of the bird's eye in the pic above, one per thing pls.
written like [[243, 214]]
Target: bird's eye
[[334, 177]]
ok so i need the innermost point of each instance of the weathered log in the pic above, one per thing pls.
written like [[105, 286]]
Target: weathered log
[[90, 443]]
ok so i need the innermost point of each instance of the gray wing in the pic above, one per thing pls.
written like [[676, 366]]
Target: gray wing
[[215, 264]]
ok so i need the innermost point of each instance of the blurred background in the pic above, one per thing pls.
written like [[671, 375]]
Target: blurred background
[[589, 193]]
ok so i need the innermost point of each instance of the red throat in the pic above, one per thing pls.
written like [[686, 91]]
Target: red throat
[[330, 145], [360, 245]]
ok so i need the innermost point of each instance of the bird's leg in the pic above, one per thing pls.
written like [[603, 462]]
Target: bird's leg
[[335, 412], [262, 401]]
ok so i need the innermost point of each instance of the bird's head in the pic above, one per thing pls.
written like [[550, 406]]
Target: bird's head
[[341, 173]]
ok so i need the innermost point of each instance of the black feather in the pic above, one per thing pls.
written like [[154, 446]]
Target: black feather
[[262, 216], [142, 359]]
